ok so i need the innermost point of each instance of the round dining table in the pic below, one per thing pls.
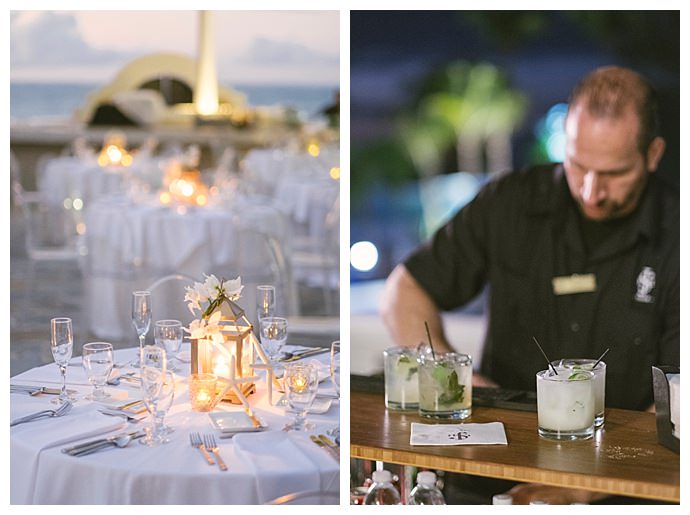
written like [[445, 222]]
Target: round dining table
[[261, 465], [133, 242]]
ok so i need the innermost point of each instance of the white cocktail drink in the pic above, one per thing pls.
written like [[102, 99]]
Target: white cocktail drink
[[565, 404], [573, 365], [445, 385], [400, 373]]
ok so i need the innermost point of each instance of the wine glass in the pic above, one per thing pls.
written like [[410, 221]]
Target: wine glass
[[61, 343], [97, 360], [301, 384], [273, 332], [141, 315], [335, 366], [153, 362], [168, 335], [265, 301]]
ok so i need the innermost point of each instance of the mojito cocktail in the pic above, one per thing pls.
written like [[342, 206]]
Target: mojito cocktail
[[400, 372], [445, 386]]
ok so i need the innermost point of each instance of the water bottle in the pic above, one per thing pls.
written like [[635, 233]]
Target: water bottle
[[502, 499], [382, 490], [426, 491]]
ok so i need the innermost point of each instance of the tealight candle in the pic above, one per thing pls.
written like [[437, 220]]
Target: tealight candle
[[299, 383], [202, 391]]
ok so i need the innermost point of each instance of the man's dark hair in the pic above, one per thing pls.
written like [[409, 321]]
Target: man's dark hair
[[609, 90]]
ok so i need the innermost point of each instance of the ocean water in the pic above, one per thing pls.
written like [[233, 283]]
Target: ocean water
[[56, 101]]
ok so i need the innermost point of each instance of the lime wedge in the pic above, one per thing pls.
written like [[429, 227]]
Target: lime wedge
[[578, 376]]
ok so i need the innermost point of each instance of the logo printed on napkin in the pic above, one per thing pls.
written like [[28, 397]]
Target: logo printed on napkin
[[492, 433]]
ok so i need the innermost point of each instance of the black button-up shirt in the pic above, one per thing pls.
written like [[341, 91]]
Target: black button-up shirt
[[522, 231]]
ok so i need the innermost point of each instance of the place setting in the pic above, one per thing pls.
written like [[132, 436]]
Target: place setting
[[233, 395]]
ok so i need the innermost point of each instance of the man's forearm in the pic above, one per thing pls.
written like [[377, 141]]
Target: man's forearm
[[405, 306]]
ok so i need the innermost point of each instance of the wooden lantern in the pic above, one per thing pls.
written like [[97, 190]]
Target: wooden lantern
[[236, 351]]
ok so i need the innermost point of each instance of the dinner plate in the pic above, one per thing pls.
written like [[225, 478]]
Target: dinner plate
[[234, 422]]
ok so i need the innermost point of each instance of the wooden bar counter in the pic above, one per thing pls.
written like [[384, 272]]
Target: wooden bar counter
[[623, 458]]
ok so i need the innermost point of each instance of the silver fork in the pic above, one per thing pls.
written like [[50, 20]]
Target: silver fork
[[195, 440], [210, 443], [58, 412]]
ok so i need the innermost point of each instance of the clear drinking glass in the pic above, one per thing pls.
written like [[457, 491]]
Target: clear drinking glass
[[97, 360], [165, 401], [301, 385], [61, 343], [273, 332], [168, 335], [574, 365], [335, 366], [265, 301], [141, 314], [400, 371], [153, 368], [445, 385], [565, 405]]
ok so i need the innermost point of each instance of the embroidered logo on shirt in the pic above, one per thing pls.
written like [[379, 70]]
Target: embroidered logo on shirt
[[645, 284]]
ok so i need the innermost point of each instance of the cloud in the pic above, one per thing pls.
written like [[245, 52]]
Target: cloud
[[51, 40], [267, 52]]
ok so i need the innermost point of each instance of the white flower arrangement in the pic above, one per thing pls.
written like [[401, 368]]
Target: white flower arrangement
[[212, 292]]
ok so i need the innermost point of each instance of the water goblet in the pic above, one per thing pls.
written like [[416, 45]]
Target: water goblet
[[274, 333], [61, 343], [301, 384], [335, 366], [168, 335], [265, 301], [141, 315], [97, 360], [153, 368]]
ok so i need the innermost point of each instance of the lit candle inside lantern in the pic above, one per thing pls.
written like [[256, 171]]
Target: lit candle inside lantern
[[221, 368], [203, 397]]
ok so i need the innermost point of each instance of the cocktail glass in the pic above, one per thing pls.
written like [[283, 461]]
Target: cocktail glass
[[573, 365], [445, 385], [565, 404], [401, 378]]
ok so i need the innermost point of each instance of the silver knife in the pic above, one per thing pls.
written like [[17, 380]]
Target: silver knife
[[36, 390], [305, 354], [98, 441]]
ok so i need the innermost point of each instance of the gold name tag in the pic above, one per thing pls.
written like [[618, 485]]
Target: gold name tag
[[576, 283]]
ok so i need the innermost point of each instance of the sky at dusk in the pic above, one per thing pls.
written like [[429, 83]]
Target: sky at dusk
[[259, 47]]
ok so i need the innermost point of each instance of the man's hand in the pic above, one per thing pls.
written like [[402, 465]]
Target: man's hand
[[526, 492]]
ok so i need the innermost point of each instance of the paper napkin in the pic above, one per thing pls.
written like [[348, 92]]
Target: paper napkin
[[492, 433]]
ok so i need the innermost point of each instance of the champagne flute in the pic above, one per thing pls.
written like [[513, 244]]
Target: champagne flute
[[335, 366], [97, 360], [165, 401], [265, 301], [168, 335], [273, 332], [153, 362], [141, 315], [301, 385], [61, 343]]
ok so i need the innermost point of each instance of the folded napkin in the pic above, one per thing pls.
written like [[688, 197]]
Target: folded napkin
[[28, 440], [491, 433], [286, 463]]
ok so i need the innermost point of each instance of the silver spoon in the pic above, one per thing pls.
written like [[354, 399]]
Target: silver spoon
[[119, 441]]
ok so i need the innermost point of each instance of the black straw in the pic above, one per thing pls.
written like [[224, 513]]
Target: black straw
[[548, 361], [600, 358], [428, 335]]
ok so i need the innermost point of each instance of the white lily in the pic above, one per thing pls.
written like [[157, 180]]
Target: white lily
[[233, 288]]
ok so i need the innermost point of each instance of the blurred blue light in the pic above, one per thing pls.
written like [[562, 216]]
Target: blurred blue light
[[363, 256], [555, 147]]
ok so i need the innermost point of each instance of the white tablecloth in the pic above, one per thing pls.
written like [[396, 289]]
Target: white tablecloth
[[130, 245], [174, 473], [71, 178]]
